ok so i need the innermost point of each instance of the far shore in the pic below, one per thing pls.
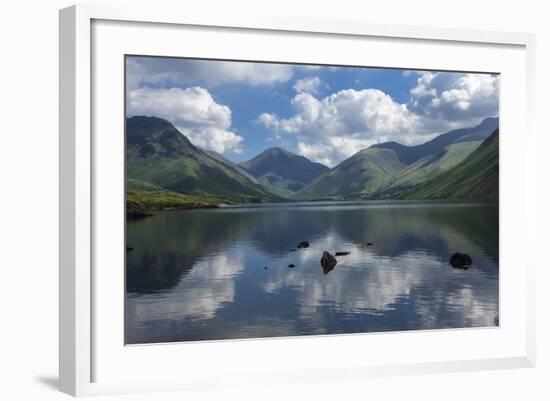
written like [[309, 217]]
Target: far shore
[[148, 211]]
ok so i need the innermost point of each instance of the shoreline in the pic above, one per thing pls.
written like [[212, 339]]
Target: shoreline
[[310, 204]]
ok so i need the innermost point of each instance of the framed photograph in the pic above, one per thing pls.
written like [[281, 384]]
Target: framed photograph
[[277, 200]]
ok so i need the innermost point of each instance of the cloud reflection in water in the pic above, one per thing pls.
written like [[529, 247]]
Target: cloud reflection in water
[[402, 282]]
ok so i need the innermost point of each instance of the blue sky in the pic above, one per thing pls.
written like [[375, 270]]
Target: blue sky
[[324, 113]]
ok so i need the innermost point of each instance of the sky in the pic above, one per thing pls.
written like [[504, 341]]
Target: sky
[[325, 113]]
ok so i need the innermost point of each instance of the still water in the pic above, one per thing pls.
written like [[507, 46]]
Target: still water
[[223, 273]]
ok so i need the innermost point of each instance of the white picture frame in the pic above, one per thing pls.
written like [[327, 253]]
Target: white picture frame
[[82, 344]]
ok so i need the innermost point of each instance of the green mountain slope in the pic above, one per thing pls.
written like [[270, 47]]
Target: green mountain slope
[[154, 197], [410, 154], [157, 153], [431, 166], [230, 164], [476, 177], [387, 170], [356, 177], [283, 172]]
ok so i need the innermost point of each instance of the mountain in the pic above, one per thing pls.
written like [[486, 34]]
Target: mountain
[[476, 177], [283, 172], [410, 154], [369, 168], [159, 155], [230, 164], [388, 169]]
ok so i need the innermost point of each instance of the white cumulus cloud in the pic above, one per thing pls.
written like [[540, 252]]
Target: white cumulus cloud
[[149, 71], [450, 100], [308, 85], [331, 129], [193, 111], [337, 126]]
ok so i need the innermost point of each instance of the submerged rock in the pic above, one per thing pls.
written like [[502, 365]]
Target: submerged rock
[[303, 244], [461, 260], [339, 253], [291, 265], [328, 262]]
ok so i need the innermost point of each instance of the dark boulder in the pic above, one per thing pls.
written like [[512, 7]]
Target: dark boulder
[[461, 260], [328, 262], [339, 253], [303, 244]]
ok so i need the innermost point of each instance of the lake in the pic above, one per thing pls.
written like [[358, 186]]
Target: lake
[[209, 274]]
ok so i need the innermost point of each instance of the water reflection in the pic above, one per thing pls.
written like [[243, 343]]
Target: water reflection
[[215, 274]]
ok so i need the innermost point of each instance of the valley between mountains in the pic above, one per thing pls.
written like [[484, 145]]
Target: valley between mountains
[[164, 170]]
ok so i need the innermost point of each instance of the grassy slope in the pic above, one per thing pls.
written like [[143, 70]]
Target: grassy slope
[[359, 176], [231, 164], [377, 173], [159, 154], [153, 197], [163, 199], [278, 185], [192, 177], [428, 168], [475, 177], [386, 170]]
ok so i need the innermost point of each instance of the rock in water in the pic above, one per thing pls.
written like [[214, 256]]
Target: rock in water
[[328, 262], [303, 244], [462, 260], [341, 253], [369, 243], [291, 265]]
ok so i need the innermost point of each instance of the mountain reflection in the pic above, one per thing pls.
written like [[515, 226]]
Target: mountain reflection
[[223, 273]]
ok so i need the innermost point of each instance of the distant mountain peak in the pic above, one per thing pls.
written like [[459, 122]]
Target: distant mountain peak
[[282, 171], [148, 122], [388, 145], [155, 137], [489, 120], [278, 151]]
